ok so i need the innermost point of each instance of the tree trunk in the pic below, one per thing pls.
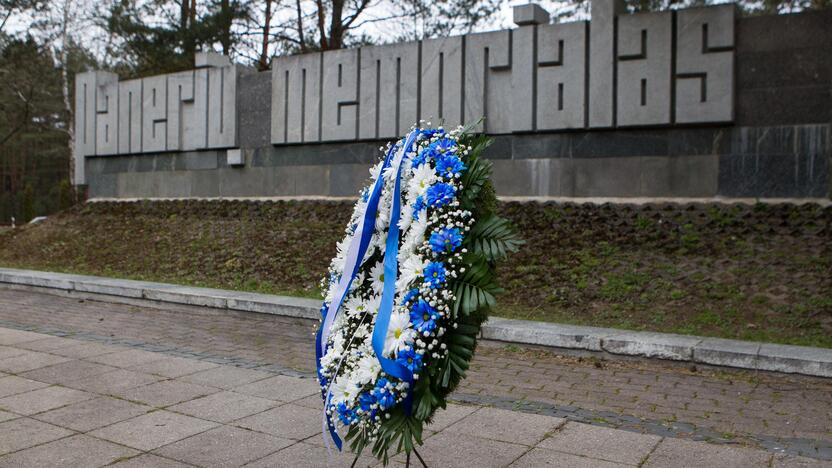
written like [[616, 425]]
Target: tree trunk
[[225, 34], [300, 27], [64, 59], [336, 26], [263, 63]]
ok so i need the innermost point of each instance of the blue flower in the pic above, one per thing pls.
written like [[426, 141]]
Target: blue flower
[[435, 274], [440, 194], [410, 295], [445, 240], [346, 415], [383, 396], [449, 165], [410, 359], [418, 206], [366, 401], [423, 317]]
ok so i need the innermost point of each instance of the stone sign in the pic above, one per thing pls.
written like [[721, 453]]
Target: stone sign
[[190, 110], [620, 70]]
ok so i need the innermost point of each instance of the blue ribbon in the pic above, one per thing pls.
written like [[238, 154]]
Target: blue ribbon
[[369, 221], [390, 272], [391, 267]]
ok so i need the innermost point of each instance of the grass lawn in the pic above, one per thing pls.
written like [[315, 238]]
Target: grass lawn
[[757, 272]]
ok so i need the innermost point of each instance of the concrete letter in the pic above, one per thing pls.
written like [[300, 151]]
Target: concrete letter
[[130, 117], [561, 85], [602, 61], [154, 113], [296, 99], [488, 81], [442, 81], [389, 90], [340, 95]]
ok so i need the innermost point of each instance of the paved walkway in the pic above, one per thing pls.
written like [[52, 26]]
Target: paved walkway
[[124, 361]]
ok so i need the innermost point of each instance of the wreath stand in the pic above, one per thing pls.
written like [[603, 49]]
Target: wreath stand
[[407, 463]]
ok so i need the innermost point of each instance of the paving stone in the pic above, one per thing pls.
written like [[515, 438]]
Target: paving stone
[[288, 421], [450, 415], [7, 352], [48, 344], [29, 360], [83, 350], [224, 406], [166, 393], [281, 388], [149, 461], [66, 372], [679, 452], [172, 367], [43, 399], [454, 449], [114, 383], [24, 432], [12, 385], [585, 440], [92, 414], [787, 461], [153, 430], [6, 416], [127, 358], [10, 337], [543, 457], [224, 446], [303, 454], [226, 377], [76, 451], [509, 426]]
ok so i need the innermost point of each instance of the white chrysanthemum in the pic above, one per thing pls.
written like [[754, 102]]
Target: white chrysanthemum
[[412, 268], [423, 177], [367, 370], [399, 333], [406, 217], [377, 277], [344, 391]]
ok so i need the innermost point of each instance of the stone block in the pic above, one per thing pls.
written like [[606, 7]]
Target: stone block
[[109, 286], [41, 279], [223, 446], [277, 305], [92, 414], [389, 90], [21, 433], [606, 177], [509, 426], [12, 385], [561, 75], [545, 334], [222, 107], [795, 359], [166, 393], [678, 452], [644, 69], [191, 296], [543, 457], [619, 446], [296, 99], [173, 367], [130, 117], [154, 113], [44, 399], [705, 64], [523, 78], [602, 61], [224, 407], [187, 108], [78, 450], [234, 157], [225, 377], [488, 81], [530, 14], [254, 119], [441, 81], [281, 388], [730, 353], [288, 421], [211, 59], [455, 449], [654, 345], [106, 114], [153, 430], [339, 118]]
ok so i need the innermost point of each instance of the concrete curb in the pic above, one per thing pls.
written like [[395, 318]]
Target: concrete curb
[[712, 351]]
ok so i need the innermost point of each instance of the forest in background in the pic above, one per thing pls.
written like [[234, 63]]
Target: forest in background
[[44, 43]]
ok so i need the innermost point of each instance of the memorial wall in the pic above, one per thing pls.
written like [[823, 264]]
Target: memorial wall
[[688, 103]]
